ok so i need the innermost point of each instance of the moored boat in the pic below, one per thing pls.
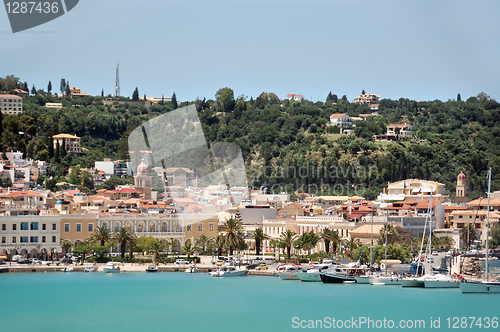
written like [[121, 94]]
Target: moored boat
[[228, 271], [340, 274], [152, 268], [387, 280], [111, 267], [312, 274], [289, 272], [90, 269]]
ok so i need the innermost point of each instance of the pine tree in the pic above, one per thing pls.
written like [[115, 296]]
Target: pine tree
[[25, 86], [174, 101], [459, 98], [49, 87], [363, 92], [1, 123], [162, 99], [144, 97], [329, 97], [51, 148], [344, 98], [68, 92], [102, 92], [135, 95], [33, 90]]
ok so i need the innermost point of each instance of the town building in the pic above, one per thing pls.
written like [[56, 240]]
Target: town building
[[294, 97], [11, 104], [461, 189], [72, 142], [366, 99], [413, 190], [54, 106]]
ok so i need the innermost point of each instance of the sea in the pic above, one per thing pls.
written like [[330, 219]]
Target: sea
[[171, 301]]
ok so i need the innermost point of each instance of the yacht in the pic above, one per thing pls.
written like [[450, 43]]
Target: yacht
[[289, 272], [228, 271], [152, 268], [442, 281], [312, 274], [343, 273], [111, 267], [191, 269], [90, 269]]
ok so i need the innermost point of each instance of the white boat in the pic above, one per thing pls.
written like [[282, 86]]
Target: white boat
[[412, 282], [389, 280], [363, 279], [484, 286], [90, 269], [312, 274], [228, 271], [342, 273], [441, 281], [67, 269], [191, 269], [289, 272], [152, 268], [111, 267]]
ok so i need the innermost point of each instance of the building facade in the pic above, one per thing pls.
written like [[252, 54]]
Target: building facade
[[11, 104]]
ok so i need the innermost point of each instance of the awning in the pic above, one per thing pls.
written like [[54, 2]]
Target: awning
[[3, 257]]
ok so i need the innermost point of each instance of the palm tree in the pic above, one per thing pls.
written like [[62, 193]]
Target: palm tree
[[131, 243], [202, 240], [330, 237], [188, 250], [351, 245], [219, 242], [259, 236], [392, 234], [288, 237], [468, 234], [307, 241], [122, 237], [102, 235], [66, 245], [233, 236]]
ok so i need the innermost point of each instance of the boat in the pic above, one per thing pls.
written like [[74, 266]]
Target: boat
[[289, 272], [412, 282], [483, 286], [442, 281], [191, 269], [312, 274], [90, 269], [111, 267], [67, 269], [228, 271], [389, 280], [363, 279], [342, 273], [152, 268]]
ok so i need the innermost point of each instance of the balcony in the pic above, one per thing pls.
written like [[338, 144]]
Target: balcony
[[161, 234]]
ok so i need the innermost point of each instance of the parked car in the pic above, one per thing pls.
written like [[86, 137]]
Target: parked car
[[181, 262], [245, 261], [252, 266], [23, 260], [473, 252], [430, 260], [262, 267], [220, 262], [434, 253], [66, 260], [35, 261]]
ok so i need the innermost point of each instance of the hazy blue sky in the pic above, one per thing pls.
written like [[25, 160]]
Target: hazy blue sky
[[422, 50]]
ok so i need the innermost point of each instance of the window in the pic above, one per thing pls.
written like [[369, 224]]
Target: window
[[24, 226], [90, 227], [66, 227], [14, 227], [43, 239], [54, 227], [4, 227], [13, 239], [24, 239], [53, 239], [34, 239], [4, 239], [189, 228], [34, 226], [44, 227], [200, 227], [460, 217], [78, 227], [211, 227]]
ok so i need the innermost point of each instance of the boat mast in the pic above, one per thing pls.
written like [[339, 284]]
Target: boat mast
[[386, 220], [371, 241], [488, 223]]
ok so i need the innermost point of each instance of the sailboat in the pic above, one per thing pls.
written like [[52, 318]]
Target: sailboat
[[484, 286]]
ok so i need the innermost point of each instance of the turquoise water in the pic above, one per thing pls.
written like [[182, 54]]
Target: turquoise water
[[190, 302]]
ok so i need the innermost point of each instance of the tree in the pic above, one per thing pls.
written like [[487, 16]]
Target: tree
[[202, 240], [468, 234], [392, 234], [363, 92], [153, 246], [82, 249], [233, 234], [135, 94], [49, 87], [259, 236], [102, 92], [102, 235], [287, 238], [307, 241], [122, 237], [224, 98], [67, 90], [66, 245], [350, 245], [33, 90], [174, 101], [330, 237], [63, 86], [188, 249], [459, 98], [131, 243], [344, 98]]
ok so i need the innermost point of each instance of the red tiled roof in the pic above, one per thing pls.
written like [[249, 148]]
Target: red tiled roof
[[125, 190], [337, 115]]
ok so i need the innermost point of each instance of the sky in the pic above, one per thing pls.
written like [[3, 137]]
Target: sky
[[422, 50]]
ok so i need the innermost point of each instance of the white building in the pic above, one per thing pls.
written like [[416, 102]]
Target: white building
[[11, 104], [294, 97], [72, 142]]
